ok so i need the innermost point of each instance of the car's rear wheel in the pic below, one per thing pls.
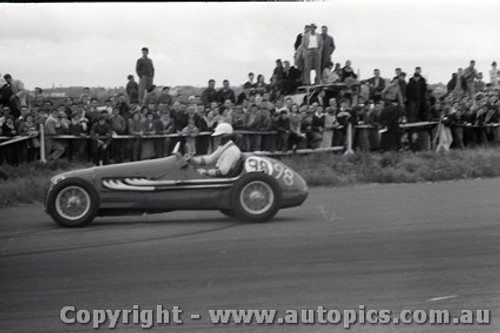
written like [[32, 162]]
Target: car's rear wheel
[[256, 197], [73, 203]]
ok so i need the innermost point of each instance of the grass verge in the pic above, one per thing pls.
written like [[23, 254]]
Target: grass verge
[[396, 167], [28, 183]]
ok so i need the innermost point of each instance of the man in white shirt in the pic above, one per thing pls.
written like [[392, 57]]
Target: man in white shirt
[[224, 158], [312, 47]]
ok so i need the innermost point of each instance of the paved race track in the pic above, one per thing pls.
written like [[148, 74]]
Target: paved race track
[[424, 246]]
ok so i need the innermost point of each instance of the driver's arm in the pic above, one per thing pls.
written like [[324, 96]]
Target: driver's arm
[[207, 159]]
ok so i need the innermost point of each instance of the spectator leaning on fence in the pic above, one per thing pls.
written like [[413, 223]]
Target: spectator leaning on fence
[[53, 149], [29, 128], [101, 136], [119, 127], [164, 125]]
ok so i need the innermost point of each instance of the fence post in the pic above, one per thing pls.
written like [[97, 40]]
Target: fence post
[[42, 144], [348, 139]]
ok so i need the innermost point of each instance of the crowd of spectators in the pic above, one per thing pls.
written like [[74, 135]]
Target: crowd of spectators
[[313, 121]]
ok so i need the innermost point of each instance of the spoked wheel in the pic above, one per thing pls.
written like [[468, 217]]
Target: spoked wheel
[[256, 197], [72, 203]]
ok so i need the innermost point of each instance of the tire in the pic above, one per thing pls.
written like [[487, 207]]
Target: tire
[[78, 193], [255, 197], [228, 212]]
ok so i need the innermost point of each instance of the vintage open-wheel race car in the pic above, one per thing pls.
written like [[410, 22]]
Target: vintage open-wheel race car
[[254, 190]]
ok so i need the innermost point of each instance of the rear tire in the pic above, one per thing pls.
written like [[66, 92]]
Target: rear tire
[[255, 197], [73, 203]]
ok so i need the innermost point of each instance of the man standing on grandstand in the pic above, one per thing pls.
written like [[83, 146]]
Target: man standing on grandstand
[[298, 56], [18, 97], [328, 47], [145, 71], [494, 74], [312, 48], [470, 75]]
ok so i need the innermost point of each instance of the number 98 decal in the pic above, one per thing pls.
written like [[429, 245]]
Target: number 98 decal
[[277, 170]]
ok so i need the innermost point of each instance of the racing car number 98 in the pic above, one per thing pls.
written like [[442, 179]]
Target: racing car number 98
[[277, 170]]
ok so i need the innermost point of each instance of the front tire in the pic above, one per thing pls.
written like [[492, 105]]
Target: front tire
[[73, 203], [255, 197]]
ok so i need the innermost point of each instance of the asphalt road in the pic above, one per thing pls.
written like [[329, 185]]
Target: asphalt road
[[396, 247]]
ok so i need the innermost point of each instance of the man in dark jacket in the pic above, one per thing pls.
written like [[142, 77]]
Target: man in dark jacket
[[328, 47], [390, 139], [416, 93], [291, 78], [226, 93], [282, 126], [209, 95], [132, 90], [145, 71], [376, 83]]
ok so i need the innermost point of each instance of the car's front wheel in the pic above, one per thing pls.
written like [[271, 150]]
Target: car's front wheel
[[73, 203], [256, 197]]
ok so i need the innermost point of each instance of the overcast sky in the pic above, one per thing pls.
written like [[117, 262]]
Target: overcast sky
[[97, 44]]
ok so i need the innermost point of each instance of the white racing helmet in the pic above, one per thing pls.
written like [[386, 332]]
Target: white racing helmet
[[223, 129]]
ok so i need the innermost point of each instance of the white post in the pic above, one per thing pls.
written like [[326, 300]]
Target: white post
[[42, 144], [348, 139]]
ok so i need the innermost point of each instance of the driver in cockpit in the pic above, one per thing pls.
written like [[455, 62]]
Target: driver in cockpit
[[224, 158]]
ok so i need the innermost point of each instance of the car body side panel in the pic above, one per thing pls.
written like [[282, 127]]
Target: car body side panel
[[171, 183]]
